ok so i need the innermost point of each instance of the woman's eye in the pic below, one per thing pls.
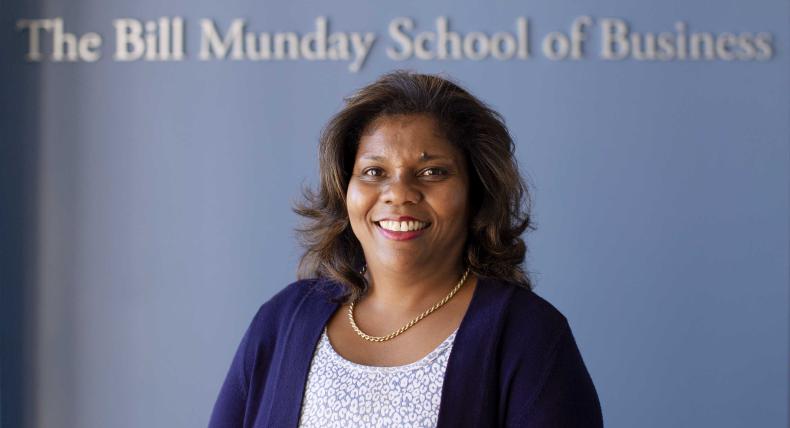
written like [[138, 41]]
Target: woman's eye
[[434, 171], [372, 172]]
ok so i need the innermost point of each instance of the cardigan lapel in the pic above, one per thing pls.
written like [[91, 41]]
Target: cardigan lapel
[[467, 400], [301, 339]]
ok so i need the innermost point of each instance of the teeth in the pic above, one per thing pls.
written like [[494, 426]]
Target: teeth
[[402, 226]]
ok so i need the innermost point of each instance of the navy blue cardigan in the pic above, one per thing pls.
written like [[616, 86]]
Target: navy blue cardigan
[[514, 362]]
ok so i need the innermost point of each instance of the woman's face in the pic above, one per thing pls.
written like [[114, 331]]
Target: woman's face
[[408, 196]]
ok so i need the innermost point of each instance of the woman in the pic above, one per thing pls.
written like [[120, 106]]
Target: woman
[[413, 308]]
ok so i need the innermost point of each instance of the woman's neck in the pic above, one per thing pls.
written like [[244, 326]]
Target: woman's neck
[[409, 289]]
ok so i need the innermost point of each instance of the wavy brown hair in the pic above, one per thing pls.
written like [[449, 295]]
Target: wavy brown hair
[[499, 199]]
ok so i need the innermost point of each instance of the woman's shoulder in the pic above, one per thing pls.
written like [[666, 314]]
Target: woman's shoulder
[[524, 306], [528, 306], [296, 291], [287, 300], [529, 320]]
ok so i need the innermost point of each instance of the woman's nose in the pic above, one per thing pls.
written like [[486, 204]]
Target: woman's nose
[[401, 191]]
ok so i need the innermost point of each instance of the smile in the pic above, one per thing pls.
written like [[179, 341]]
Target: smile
[[401, 230]]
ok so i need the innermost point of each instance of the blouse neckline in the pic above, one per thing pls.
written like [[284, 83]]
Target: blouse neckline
[[427, 359]]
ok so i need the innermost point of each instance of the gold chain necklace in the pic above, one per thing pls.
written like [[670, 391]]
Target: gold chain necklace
[[397, 332]]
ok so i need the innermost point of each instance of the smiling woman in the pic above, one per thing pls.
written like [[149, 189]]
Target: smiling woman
[[413, 307], [408, 182]]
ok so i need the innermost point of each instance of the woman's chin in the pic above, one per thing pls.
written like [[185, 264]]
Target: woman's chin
[[403, 260]]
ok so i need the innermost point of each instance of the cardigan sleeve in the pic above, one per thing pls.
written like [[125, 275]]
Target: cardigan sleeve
[[566, 396]]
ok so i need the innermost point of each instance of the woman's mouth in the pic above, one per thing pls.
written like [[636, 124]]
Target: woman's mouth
[[401, 230]]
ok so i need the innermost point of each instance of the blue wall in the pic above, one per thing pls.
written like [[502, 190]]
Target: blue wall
[[152, 203]]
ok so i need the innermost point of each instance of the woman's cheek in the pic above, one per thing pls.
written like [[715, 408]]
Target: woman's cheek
[[356, 203], [454, 201], [455, 208]]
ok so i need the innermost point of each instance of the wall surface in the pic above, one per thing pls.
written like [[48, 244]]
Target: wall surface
[[158, 197]]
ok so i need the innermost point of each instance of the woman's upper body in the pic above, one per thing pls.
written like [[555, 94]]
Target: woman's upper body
[[419, 186], [514, 362]]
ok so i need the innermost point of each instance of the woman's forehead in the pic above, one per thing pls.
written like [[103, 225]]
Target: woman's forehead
[[414, 136], [426, 121]]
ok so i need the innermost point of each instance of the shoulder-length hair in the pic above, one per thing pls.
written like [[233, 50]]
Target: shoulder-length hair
[[499, 199]]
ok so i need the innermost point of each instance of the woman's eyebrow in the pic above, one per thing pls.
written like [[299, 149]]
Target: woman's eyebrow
[[424, 157]]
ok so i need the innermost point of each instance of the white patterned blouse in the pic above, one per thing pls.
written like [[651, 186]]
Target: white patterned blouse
[[341, 393]]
